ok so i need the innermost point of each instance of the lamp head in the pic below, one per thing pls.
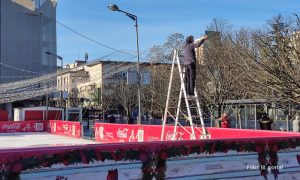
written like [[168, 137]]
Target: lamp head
[[113, 7], [59, 57]]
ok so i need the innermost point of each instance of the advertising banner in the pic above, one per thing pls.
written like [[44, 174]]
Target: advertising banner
[[106, 132], [23, 126], [67, 128]]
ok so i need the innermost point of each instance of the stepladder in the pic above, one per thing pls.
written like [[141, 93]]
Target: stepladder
[[186, 111]]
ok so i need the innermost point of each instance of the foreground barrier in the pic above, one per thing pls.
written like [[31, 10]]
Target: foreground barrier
[[16, 160], [265, 143]]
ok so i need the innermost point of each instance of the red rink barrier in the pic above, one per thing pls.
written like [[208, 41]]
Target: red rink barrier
[[223, 139], [113, 133], [23, 126], [105, 132], [66, 128]]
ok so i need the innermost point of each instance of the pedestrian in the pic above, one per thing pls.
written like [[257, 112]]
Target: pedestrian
[[296, 123], [112, 119], [265, 122], [225, 121], [190, 62], [131, 120]]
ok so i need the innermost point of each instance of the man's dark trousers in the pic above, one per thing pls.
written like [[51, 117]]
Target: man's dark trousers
[[190, 77]]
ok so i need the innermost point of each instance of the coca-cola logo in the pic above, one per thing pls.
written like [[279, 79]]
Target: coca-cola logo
[[65, 127], [13, 126], [174, 136], [122, 133]]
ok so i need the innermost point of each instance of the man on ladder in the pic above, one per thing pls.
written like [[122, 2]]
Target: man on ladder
[[190, 62], [187, 88]]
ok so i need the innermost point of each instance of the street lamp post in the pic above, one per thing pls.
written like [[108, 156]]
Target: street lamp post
[[133, 17], [62, 63]]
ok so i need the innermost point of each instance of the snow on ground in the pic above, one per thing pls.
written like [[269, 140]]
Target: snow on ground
[[38, 139]]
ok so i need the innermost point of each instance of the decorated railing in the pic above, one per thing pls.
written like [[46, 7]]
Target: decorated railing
[[153, 154]]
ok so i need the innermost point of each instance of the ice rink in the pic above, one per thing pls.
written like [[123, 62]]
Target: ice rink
[[38, 139], [214, 166]]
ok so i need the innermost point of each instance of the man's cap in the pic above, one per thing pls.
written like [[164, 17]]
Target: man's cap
[[189, 39]]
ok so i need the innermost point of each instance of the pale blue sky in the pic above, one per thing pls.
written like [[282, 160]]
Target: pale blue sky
[[157, 19]]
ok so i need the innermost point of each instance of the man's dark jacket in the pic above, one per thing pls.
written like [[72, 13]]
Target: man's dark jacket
[[189, 52]]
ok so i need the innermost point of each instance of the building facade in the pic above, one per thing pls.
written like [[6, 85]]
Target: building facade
[[81, 80], [27, 30], [213, 37]]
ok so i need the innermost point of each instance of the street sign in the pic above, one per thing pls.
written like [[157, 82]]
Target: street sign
[[132, 78]]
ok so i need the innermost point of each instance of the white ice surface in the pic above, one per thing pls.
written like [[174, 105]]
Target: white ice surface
[[38, 139]]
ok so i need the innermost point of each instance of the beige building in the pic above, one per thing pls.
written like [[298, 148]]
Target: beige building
[[82, 80], [213, 37]]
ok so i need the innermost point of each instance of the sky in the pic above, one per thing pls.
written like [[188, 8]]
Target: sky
[[157, 19]]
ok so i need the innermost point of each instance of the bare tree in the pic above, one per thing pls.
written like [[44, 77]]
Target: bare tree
[[126, 96], [219, 76], [160, 58], [156, 93], [164, 53], [103, 98], [273, 62]]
